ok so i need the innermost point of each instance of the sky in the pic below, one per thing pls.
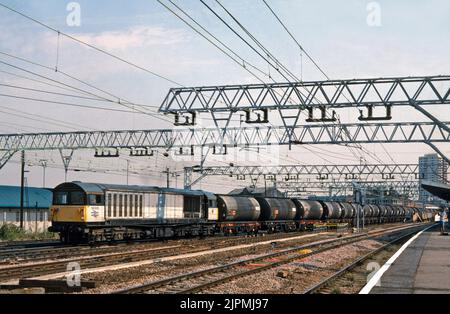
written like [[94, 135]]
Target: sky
[[409, 38]]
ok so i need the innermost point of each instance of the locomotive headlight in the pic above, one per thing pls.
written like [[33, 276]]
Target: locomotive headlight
[[54, 211], [81, 211]]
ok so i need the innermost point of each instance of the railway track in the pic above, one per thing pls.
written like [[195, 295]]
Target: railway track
[[35, 269], [50, 267], [354, 275], [201, 280], [61, 251], [37, 253], [11, 245], [41, 251]]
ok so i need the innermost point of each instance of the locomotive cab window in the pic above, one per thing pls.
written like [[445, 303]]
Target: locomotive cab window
[[69, 198], [61, 198], [95, 199], [77, 198]]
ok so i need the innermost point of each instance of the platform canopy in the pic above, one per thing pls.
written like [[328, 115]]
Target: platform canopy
[[440, 190]]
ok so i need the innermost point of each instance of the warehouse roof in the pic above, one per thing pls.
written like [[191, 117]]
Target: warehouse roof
[[269, 192], [33, 197]]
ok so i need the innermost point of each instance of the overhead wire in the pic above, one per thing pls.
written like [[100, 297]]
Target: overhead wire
[[46, 119], [97, 49], [90, 45], [47, 26], [23, 126], [81, 90], [36, 119], [309, 56], [49, 92], [298, 44], [84, 82], [361, 157], [67, 104], [40, 82], [242, 64], [270, 55]]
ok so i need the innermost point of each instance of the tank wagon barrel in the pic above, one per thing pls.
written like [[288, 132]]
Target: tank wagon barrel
[[367, 211], [332, 210], [348, 210], [276, 208], [375, 210], [308, 210], [238, 208]]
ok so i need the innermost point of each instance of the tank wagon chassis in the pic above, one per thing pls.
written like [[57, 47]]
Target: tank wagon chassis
[[91, 212]]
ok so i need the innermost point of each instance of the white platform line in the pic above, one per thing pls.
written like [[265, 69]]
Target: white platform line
[[377, 276]]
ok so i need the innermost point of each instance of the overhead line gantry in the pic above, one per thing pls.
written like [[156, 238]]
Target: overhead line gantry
[[293, 173], [289, 100], [400, 132]]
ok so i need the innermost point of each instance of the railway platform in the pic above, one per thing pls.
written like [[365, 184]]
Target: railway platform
[[423, 267]]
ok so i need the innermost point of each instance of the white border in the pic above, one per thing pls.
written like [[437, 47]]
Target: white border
[[377, 276]]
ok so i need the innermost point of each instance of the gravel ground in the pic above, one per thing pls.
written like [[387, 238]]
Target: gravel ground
[[134, 247], [115, 280], [301, 274]]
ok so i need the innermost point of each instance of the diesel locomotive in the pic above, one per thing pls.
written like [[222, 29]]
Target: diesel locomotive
[[94, 212]]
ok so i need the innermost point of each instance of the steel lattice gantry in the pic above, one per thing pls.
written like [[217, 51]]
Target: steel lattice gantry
[[426, 90], [401, 132], [296, 170], [405, 188], [291, 99], [293, 173]]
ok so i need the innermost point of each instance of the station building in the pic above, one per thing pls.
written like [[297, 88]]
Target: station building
[[36, 213]]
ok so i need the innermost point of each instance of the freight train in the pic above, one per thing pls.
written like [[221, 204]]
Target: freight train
[[93, 212]]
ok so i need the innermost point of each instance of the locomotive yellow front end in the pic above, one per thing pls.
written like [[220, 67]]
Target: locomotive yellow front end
[[77, 213], [68, 214], [76, 206]]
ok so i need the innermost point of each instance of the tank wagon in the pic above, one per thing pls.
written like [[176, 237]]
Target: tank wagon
[[332, 211], [348, 212], [90, 212]]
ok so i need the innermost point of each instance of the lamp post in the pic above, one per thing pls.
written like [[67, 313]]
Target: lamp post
[[22, 183], [44, 166], [167, 172], [176, 179], [22, 187]]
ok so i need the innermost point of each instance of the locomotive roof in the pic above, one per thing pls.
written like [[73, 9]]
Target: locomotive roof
[[101, 187]]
